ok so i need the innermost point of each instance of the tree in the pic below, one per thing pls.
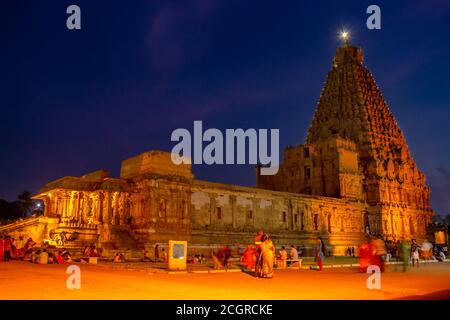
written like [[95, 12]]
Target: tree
[[9, 210], [447, 219], [16, 209], [24, 202]]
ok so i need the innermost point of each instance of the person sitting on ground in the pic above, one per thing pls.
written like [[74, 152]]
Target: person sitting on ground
[[119, 257], [43, 257], [29, 245], [35, 256], [51, 258], [66, 256], [59, 258], [93, 252], [146, 256], [195, 260], [164, 255]]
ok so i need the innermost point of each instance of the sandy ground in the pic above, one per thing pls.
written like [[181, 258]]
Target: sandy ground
[[23, 280]]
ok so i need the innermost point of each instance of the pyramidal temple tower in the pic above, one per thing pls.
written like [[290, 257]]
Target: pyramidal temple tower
[[355, 149]]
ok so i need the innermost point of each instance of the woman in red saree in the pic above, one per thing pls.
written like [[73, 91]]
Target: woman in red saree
[[249, 258], [365, 255]]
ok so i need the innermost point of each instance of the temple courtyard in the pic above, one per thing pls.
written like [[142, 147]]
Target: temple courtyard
[[24, 280]]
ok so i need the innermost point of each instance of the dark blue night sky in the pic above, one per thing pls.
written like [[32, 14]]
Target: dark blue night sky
[[77, 101]]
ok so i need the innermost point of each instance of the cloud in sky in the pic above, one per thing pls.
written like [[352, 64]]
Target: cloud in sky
[[171, 39]]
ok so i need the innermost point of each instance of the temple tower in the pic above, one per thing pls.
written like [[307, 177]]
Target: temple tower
[[355, 149]]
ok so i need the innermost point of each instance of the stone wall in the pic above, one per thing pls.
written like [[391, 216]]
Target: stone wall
[[230, 214]]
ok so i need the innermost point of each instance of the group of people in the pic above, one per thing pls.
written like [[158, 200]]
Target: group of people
[[157, 257], [375, 251], [47, 256], [19, 249], [372, 251], [160, 257], [350, 252], [15, 249], [261, 257], [119, 257], [284, 256], [91, 251]]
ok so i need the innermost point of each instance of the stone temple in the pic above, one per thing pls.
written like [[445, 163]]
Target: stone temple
[[354, 175]]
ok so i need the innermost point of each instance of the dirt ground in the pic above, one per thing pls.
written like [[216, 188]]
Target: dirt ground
[[23, 280]]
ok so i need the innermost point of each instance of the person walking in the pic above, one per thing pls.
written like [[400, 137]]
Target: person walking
[[415, 252], [320, 253], [404, 252]]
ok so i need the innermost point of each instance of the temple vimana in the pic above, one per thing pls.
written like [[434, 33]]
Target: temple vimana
[[353, 175]]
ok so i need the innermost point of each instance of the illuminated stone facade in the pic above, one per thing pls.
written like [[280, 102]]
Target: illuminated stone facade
[[354, 174]]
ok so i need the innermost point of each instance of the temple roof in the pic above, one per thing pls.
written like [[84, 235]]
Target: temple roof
[[351, 106]]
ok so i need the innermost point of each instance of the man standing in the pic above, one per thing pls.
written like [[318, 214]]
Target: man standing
[[156, 252], [405, 252], [7, 248], [414, 252]]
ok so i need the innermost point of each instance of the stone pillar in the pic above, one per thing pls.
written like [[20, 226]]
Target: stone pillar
[[107, 211], [100, 207], [83, 204], [255, 207], [290, 216], [233, 210], [66, 202], [212, 209], [76, 206], [47, 206]]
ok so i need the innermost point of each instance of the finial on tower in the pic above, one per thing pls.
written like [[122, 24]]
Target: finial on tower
[[344, 35]]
